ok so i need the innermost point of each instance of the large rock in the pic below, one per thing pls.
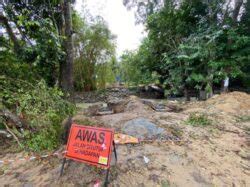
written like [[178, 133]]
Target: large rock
[[142, 128]]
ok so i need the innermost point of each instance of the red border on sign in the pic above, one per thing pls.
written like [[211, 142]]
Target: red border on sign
[[106, 166]]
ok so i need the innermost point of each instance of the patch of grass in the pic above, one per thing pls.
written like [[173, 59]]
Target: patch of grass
[[245, 118], [165, 183], [198, 119]]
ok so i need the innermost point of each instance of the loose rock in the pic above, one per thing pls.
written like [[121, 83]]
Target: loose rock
[[142, 128]]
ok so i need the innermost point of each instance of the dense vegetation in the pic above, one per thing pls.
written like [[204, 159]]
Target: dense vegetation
[[94, 47], [191, 45], [47, 51]]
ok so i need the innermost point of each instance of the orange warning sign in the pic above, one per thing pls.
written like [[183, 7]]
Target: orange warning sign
[[90, 145]]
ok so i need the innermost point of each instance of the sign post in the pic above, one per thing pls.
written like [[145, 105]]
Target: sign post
[[90, 145]]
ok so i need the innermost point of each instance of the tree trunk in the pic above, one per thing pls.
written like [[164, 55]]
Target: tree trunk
[[202, 95], [236, 11], [66, 67]]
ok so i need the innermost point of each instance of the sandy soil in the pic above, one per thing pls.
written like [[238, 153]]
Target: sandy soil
[[215, 155]]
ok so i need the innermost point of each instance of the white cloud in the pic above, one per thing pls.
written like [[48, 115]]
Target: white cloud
[[121, 21]]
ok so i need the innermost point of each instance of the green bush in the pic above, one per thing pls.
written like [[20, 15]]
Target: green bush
[[196, 119], [42, 107]]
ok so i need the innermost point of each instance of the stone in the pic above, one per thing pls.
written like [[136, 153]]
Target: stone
[[142, 128], [199, 178]]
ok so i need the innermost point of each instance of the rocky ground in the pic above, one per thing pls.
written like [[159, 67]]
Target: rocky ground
[[182, 154]]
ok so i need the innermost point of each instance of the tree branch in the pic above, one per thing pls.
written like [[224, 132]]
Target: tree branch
[[237, 6], [10, 32], [13, 134]]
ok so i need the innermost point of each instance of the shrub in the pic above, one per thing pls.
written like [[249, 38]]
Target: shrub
[[42, 107], [197, 119]]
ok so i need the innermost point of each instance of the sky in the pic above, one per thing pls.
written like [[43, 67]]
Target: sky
[[121, 22]]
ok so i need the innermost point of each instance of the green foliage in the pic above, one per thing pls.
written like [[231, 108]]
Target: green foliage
[[42, 107], [196, 119], [129, 73], [105, 74], [245, 20], [94, 63], [47, 53], [40, 44], [192, 45], [21, 91], [205, 58], [143, 8], [132, 68], [30, 57], [11, 67]]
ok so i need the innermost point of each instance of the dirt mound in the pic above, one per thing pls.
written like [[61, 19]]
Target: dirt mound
[[230, 102]]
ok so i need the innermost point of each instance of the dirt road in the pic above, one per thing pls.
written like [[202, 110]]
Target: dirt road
[[213, 155]]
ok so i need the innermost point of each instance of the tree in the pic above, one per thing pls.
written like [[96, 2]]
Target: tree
[[245, 19], [143, 8], [30, 53], [46, 37], [128, 68], [66, 67], [194, 44], [236, 11], [38, 43], [94, 48], [204, 58]]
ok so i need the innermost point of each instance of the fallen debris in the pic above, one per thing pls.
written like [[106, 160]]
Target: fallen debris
[[160, 107], [125, 139], [11, 118], [146, 159]]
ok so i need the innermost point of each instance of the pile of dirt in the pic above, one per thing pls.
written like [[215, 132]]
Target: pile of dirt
[[231, 103], [207, 156]]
